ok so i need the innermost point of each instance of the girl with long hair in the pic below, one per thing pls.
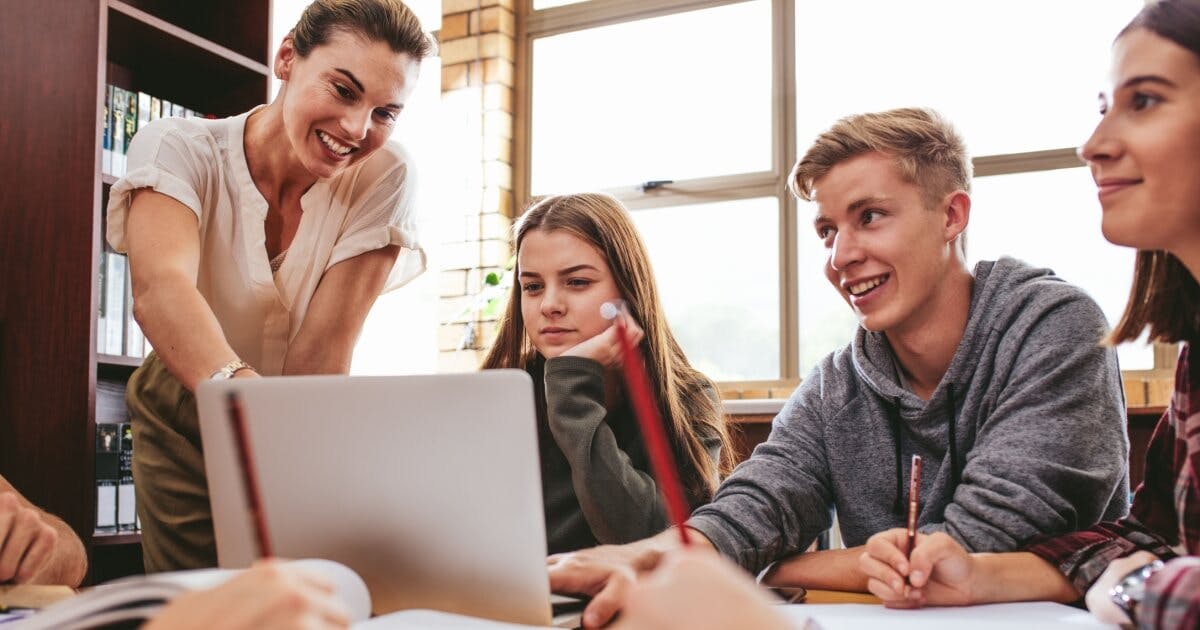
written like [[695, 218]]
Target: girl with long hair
[[574, 253]]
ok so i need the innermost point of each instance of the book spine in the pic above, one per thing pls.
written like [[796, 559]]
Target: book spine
[[126, 506], [117, 143], [108, 470], [101, 318], [134, 341], [106, 141], [131, 106], [143, 111], [114, 306]]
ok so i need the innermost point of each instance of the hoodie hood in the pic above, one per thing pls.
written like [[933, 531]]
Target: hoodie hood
[[998, 285]]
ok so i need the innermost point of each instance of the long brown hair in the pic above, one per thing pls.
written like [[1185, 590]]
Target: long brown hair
[[687, 398], [1165, 296]]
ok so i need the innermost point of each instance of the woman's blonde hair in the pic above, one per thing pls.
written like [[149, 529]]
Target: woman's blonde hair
[[686, 398], [387, 21], [925, 147]]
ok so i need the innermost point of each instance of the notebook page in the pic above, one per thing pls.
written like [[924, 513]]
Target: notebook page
[[1040, 615]]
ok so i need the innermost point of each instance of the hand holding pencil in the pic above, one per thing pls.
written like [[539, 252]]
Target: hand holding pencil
[[938, 573]]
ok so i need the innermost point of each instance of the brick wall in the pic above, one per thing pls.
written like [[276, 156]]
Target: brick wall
[[477, 51]]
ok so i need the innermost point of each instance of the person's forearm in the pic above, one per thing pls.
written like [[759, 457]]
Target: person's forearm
[[1018, 577], [647, 552], [834, 570], [183, 329], [68, 560]]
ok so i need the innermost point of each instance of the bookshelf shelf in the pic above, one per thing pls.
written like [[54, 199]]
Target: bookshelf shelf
[[184, 35], [108, 539], [118, 360], [160, 58], [107, 180]]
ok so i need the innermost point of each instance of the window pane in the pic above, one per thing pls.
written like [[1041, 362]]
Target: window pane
[[826, 321], [1011, 75], [1052, 219], [675, 97], [717, 268]]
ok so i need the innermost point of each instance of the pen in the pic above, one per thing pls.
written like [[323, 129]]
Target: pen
[[661, 459], [914, 495], [241, 438]]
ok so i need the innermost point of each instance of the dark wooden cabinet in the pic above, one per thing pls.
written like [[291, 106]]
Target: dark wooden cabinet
[[212, 55]]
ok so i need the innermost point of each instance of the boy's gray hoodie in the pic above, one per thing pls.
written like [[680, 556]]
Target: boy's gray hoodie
[[1024, 435]]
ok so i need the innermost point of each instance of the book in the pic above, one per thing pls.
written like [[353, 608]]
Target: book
[[131, 125], [101, 319], [126, 505], [106, 139], [120, 103], [114, 303], [140, 597], [143, 111], [108, 472], [134, 340]]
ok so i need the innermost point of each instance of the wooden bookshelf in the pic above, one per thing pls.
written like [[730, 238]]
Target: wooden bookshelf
[[118, 360], [211, 56], [105, 539]]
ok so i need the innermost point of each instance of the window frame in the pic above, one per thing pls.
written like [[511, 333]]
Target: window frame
[[533, 24]]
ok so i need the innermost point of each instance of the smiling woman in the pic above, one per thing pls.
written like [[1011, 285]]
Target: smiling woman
[[258, 243]]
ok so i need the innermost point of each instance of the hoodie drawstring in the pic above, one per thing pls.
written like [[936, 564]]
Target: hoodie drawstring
[[954, 469], [893, 414]]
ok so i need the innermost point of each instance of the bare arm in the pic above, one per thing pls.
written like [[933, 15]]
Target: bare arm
[[833, 570], [164, 259], [36, 546], [337, 311], [942, 573]]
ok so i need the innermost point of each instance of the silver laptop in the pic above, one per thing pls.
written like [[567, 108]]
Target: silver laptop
[[427, 486]]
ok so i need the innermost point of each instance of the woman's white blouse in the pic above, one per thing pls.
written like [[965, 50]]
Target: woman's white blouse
[[202, 164]]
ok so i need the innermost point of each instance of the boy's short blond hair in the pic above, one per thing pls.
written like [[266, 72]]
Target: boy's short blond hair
[[925, 147]]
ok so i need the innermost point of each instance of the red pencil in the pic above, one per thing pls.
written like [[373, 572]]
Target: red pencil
[[249, 479], [661, 459]]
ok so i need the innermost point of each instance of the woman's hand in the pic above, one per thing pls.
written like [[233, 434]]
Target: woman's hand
[[268, 595], [605, 348], [1097, 598], [939, 572]]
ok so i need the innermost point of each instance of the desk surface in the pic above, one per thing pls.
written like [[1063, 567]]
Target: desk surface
[[839, 597]]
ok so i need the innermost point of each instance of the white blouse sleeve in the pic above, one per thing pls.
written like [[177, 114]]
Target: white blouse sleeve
[[163, 158], [384, 215]]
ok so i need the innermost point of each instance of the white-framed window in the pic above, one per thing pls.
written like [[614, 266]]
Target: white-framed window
[[719, 98]]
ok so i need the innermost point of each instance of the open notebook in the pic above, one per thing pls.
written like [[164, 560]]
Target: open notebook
[[1040, 615], [140, 597]]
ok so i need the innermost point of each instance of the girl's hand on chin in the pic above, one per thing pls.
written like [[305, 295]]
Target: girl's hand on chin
[[605, 348]]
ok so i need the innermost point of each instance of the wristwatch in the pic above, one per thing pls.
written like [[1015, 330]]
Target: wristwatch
[[229, 369], [1128, 592]]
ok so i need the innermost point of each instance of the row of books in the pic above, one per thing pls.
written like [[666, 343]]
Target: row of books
[[115, 504], [124, 113], [117, 332]]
